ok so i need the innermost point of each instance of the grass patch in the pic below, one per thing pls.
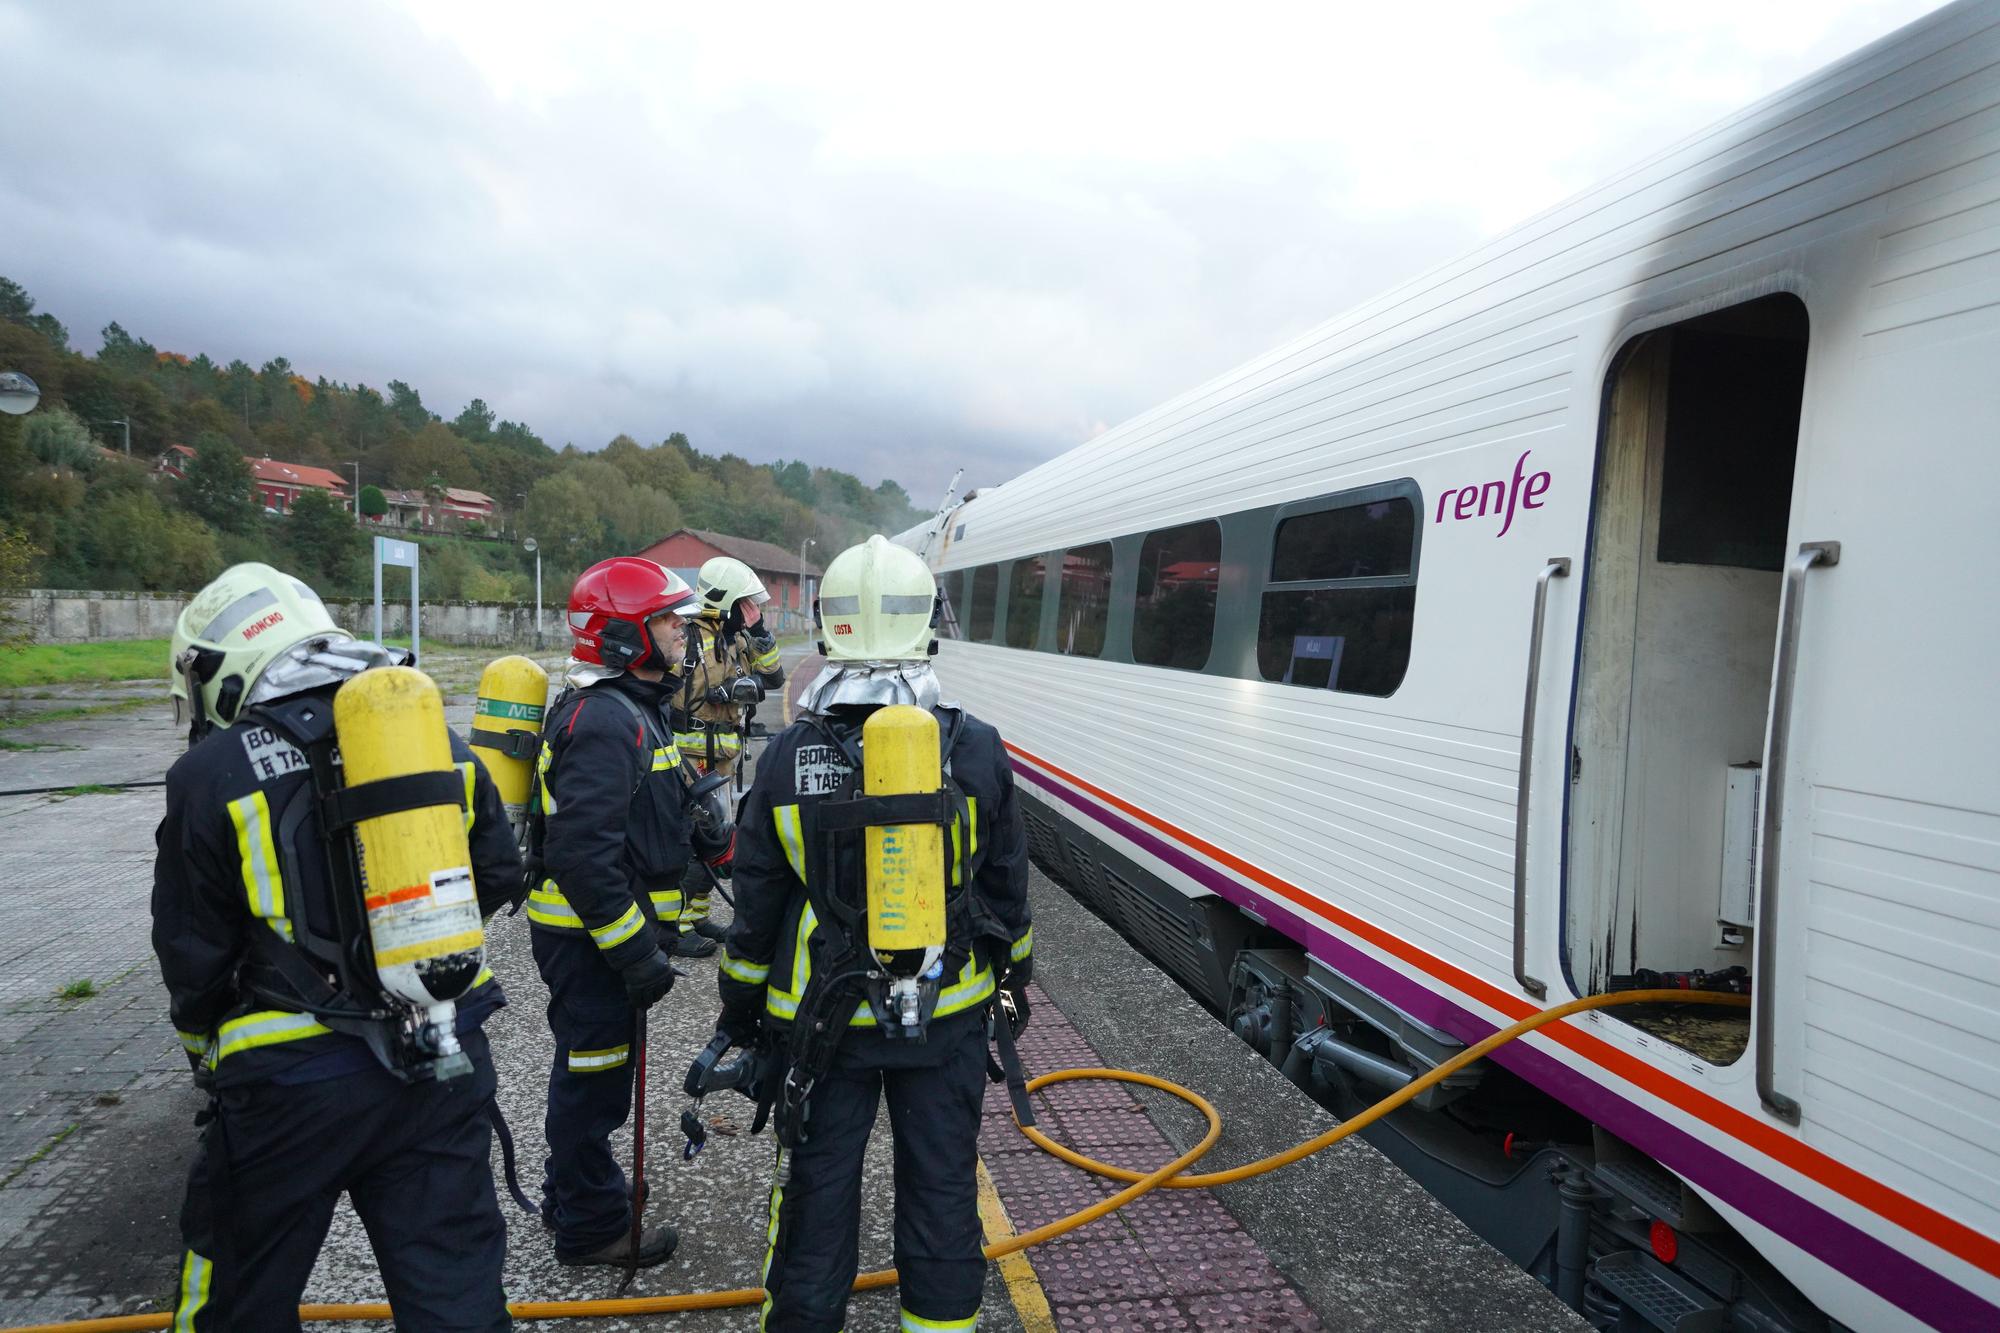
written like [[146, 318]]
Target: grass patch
[[40, 1153], [6, 745], [88, 789], [81, 711], [74, 663], [80, 989]]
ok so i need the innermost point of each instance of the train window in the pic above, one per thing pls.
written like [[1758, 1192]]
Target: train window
[[951, 587], [1084, 604], [1338, 609], [1353, 542], [1024, 601], [985, 594], [1173, 621]]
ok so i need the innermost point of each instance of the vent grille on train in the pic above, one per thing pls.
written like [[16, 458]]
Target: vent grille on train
[[1045, 849], [1167, 937], [1084, 880]]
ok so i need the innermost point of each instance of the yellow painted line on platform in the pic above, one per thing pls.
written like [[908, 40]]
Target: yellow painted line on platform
[[1023, 1287]]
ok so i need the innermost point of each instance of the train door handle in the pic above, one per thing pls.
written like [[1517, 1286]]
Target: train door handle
[[1557, 567], [1784, 675]]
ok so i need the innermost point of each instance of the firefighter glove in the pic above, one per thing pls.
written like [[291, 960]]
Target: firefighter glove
[[648, 980]]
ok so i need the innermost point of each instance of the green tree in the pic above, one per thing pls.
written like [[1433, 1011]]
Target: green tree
[[406, 405], [124, 353], [325, 547], [130, 540], [432, 452], [475, 422], [219, 486], [373, 503], [17, 307], [59, 438], [562, 514]]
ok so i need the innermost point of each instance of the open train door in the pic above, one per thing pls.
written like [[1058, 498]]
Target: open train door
[[1683, 587]]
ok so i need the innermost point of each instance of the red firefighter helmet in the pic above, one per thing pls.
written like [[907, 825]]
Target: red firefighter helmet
[[611, 603]]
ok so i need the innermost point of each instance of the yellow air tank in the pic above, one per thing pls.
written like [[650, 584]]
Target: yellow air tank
[[906, 876], [416, 869], [513, 693]]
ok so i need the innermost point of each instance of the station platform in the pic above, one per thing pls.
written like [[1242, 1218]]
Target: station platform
[[99, 1134]]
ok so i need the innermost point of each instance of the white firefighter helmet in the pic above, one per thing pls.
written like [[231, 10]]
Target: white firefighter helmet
[[723, 582], [235, 628], [877, 603]]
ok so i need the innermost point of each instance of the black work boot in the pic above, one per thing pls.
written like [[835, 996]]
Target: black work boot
[[690, 944], [656, 1246], [711, 929]]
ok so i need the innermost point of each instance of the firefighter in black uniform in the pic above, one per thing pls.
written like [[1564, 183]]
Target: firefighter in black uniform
[[246, 925], [732, 664], [613, 822], [794, 970]]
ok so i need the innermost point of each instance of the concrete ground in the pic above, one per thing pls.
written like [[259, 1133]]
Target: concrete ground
[[96, 1117]]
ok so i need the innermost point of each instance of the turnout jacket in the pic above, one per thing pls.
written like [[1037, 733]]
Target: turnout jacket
[[616, 825], [776, 939], [227, 870], [712, 734]]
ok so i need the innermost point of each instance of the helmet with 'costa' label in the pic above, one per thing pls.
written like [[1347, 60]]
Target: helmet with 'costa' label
[[877, 603]]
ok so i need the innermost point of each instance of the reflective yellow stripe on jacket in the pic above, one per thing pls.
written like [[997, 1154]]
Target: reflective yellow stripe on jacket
[[257, 854], [465, 771], [549, 909], [263, 1027]]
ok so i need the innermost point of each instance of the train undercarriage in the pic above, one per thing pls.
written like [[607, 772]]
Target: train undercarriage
[[1615, 1235]]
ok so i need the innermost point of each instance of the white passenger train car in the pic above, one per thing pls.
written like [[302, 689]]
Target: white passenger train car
[[1698, 473]]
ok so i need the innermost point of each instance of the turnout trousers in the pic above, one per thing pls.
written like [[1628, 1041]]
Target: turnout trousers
[[585, 1198], [815, 1218], [411, 1156]]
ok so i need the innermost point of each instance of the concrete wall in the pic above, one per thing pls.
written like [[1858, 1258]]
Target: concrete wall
[[65, 616]]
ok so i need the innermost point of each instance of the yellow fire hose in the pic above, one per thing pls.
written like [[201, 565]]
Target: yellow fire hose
[[1168, 1177]]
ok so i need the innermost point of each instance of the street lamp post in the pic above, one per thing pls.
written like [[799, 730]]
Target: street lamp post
[[532, 545], [805, 605], [126, 422], [356, 465]]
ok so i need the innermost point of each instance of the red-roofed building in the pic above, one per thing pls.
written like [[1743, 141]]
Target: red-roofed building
[[279, 485], [686, 549], [462, 506], [174, 462]]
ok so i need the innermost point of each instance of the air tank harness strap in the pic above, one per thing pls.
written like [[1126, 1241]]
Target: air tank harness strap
[[817, 1031], [506, 1137], [347, 806], [1007, 1068], [513, 744]]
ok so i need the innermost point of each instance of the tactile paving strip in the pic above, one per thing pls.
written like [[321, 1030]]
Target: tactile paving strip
[[1141, 1316], [1113, 1268], [1172, 1260], [1277, 1308]]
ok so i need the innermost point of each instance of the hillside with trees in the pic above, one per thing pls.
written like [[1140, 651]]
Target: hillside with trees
[[94, 518]]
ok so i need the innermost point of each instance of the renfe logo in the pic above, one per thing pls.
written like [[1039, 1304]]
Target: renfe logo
[[256, 627], [1498, 497]]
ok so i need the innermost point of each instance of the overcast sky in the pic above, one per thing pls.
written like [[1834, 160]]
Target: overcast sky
[[895, 239]]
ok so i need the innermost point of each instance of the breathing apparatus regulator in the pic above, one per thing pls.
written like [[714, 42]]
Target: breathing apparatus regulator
[[405, 940]]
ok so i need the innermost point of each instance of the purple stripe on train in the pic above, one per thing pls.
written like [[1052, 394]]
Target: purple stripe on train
[[1873, 1263]]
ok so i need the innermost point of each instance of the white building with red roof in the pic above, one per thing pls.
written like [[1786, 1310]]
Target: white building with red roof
[[279, 485]]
